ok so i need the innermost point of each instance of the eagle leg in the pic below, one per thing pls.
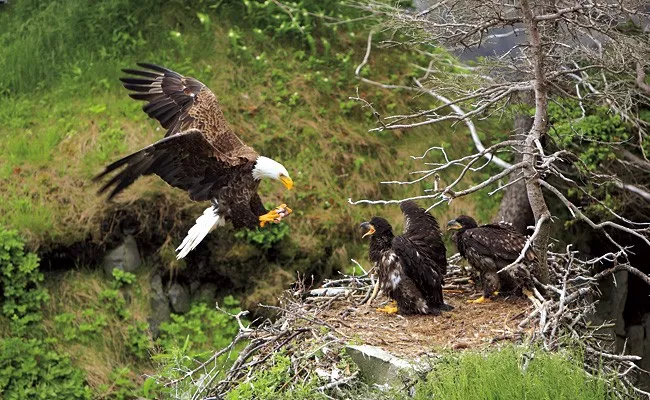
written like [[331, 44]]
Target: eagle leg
[[483, 299], [390, 308], [480, 300], [275, 215]]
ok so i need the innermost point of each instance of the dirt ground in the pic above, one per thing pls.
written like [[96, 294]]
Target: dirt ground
[[466, 326]]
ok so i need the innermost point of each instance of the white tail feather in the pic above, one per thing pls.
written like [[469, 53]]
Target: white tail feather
[[204, 225]]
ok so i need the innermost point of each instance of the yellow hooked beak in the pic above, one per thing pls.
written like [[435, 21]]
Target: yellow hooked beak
[[286, 181], [453, 225], [368, 228]]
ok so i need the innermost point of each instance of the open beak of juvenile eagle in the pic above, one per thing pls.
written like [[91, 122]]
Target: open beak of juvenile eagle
[[453, 225], [367, 229]]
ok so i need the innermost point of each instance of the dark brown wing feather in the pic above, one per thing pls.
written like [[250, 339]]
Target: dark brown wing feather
[[186, 161], [180, 103], [500, 241], [421, 269], [422, 229]]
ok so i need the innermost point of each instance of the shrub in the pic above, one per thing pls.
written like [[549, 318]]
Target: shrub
[[29, 365], [22, 296], [30, 370]]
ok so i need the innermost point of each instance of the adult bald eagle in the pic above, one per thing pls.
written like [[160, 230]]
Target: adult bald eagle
[[411, 266], [488, 249], [200, 154]]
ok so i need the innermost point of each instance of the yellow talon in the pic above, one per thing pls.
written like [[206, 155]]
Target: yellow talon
[[390, 308], [275, 215], [480, 300]]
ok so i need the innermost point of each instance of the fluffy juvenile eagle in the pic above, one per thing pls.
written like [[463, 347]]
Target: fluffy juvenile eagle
[[411, 266], [489, 248], [200, 154]]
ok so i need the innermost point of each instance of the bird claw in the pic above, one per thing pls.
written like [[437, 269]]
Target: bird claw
[[275, 215], [389, 308], [480, 300]]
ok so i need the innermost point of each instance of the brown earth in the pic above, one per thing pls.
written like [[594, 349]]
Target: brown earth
[[466, 326]]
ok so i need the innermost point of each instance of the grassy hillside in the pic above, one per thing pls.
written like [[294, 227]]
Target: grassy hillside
[[284, 82], [65, 115]]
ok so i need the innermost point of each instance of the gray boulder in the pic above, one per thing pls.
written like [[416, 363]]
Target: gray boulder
[[378, 366], [206, 293], [125, 257], [179, 297], [160, 310]]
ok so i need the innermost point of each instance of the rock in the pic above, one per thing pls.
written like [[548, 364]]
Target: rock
[[125, 257], [207, 293], [612, 302], [179, 297], [635, 339], [378, 366], [194, 286], [160, 310]]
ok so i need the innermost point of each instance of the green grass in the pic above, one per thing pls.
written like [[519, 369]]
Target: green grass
[[500, 375], [287, 101]]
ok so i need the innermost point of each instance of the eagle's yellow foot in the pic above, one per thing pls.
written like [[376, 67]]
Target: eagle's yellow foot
[[275, 215], [390, 308], [483, 299], [480, 300]]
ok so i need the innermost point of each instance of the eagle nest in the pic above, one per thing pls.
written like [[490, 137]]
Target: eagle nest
[[314, 325]]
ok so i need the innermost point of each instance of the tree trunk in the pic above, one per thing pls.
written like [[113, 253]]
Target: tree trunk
[[515, 207], [530, 150]]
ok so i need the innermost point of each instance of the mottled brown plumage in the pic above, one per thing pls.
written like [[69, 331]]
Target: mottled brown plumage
[[410, 267], [491, 247]]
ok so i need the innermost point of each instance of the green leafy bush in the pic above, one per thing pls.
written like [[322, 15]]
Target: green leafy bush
[[22, 296], [122, 278], [138, 340], [204, 327], [29, 365], [264, 238], [273, 383], [30, 370]]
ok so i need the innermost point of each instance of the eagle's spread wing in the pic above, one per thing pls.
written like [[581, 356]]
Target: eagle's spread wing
[[495, 240], [180, 103], [420, 268], [185, 160], [422, 229]]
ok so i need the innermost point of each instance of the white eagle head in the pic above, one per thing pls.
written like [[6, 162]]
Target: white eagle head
[[267, 168]]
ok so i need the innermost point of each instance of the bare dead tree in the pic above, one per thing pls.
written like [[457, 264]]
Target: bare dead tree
[[515, 207], [590, 52]]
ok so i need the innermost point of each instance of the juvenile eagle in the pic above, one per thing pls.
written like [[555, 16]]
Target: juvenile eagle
[[489, 248], [411, 266], [200, 154]]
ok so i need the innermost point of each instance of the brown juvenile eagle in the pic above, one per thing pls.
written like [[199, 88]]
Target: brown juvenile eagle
[[411, 266], [489, 248], [200, 154]]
